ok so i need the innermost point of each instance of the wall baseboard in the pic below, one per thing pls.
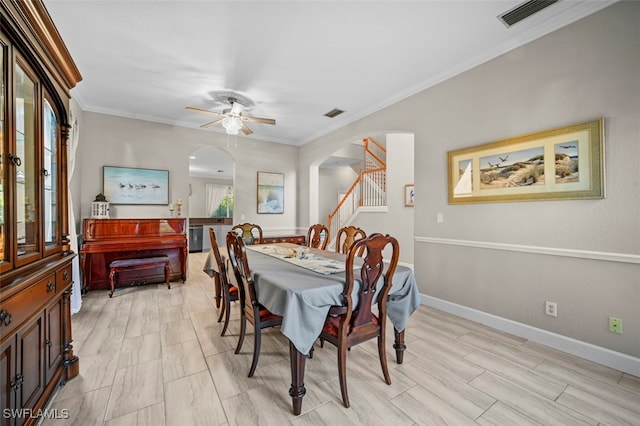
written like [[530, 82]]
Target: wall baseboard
[[604, 356]]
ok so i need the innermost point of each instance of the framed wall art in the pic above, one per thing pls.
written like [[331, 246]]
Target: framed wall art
[[270, 193], [555, 164], [124, 185], [409, 194]]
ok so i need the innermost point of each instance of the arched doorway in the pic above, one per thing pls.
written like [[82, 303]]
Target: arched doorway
[[211, 181]]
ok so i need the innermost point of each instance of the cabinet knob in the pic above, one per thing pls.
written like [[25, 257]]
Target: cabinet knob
[[51, 286], [17, 382], [15, 385], [48, 342], [5, 317], [45, 172], [65, 275], [15, 160]]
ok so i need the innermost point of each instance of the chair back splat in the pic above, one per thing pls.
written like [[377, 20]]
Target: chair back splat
[[345, 327], [347, 236], [250, 233], [318, 236]]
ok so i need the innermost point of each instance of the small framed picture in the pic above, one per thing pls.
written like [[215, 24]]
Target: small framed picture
[[409, 192], [270, 192]]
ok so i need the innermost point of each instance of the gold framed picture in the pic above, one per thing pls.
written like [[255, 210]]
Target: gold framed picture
[[555, 164]]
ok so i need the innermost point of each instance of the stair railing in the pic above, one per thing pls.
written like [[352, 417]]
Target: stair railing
[[369, 188]]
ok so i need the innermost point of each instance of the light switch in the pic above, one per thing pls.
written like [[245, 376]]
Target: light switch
[[439, 218]]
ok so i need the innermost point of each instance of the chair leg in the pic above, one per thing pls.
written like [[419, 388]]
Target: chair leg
[[342, 373], [227, 309], [243, 326], [223, 305], [256, 349], [383, 358]]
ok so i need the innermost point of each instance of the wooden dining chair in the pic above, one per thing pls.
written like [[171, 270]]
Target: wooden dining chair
[[345, 327], [347, 236], [318, 236], [251, 309], [250, 233], [228, 291]]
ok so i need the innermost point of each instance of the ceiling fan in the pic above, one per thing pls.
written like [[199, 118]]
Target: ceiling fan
[[232, 118]]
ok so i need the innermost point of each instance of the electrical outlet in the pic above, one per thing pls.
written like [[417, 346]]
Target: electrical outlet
[[615, 325], [551, 309]]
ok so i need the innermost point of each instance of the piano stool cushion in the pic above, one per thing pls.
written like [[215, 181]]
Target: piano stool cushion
[[129, 263], [138, 263]]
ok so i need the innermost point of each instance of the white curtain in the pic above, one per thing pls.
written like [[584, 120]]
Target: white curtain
[[76, 295], [215, 193]]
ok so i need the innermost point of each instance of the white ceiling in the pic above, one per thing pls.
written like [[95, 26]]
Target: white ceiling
[[294, 60]]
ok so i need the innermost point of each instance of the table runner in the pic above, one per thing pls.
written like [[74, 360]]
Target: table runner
[[312, 261]]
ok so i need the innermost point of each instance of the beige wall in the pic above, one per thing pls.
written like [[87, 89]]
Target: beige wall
[[584, 71], [115, 141]]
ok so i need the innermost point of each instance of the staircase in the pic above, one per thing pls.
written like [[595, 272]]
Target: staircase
[[369, 188]]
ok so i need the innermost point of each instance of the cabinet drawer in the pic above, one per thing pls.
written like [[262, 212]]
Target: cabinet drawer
[[21, 305], [63, 278]]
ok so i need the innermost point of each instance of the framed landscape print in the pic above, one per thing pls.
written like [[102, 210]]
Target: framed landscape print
[[124, 185], [270, 193], [562, 163]]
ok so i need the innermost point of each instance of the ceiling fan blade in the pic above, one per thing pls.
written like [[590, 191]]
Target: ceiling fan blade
[[258, 119], [246, 130], [212, 123], [190, 108]]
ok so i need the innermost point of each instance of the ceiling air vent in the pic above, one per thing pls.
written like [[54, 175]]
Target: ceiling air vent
[[524, 10], [334, 112]]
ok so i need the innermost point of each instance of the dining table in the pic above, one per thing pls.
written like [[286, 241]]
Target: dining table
[[301, 285]]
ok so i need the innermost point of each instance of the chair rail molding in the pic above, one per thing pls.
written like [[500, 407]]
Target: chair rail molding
[[551, 251]]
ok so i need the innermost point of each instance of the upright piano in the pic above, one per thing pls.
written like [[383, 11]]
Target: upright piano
[[106, 240]]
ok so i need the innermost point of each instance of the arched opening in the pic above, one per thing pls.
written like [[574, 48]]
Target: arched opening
[[211, 196]]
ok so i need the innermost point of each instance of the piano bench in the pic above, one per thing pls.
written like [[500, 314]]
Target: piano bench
[[138, 264]]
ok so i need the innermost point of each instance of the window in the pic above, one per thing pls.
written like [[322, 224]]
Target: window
[[225, 209], [219, 200]]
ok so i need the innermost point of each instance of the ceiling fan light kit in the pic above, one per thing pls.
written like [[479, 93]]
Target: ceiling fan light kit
[[232, 125]]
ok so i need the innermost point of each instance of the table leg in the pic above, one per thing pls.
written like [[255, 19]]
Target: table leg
[[399, 345], [297, 389]]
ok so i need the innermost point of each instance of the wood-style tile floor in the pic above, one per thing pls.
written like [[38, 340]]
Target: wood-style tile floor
[[153, 356]]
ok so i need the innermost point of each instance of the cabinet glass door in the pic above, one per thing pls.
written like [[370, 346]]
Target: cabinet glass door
[[50, 176], [3, 160], [25, 163]]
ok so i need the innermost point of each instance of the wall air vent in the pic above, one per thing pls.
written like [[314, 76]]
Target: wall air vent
[[334, 112], [523, 11]]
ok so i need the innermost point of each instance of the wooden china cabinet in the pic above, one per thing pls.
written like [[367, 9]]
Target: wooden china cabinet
[[37, 74]]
